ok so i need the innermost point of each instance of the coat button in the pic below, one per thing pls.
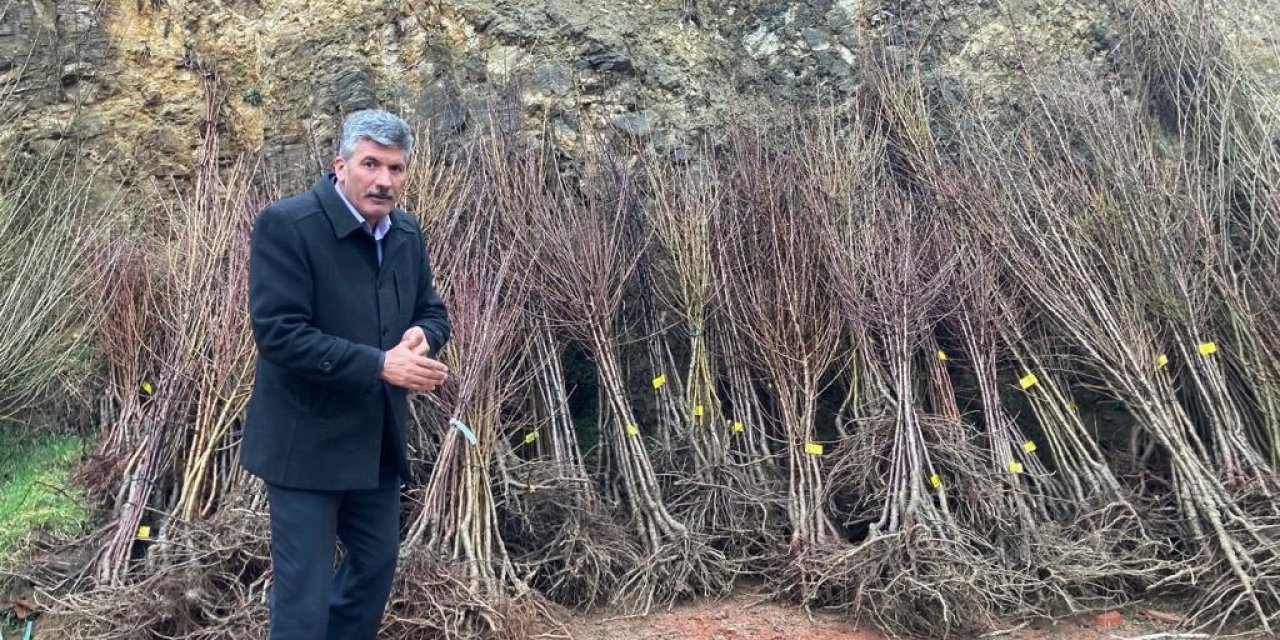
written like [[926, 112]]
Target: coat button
[[326, 366]]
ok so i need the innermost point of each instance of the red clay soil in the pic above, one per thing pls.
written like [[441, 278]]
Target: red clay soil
[[738, 617], [745, 616]]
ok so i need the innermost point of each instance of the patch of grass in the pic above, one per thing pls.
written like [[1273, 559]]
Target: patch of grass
[[34, 488]]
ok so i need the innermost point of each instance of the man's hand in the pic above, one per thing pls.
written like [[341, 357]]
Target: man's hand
[[405, 368], [416, 340]]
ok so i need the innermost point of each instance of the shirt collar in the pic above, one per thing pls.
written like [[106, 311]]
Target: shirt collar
[[384, 223]]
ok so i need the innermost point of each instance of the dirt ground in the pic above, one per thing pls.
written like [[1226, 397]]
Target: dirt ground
[[748, 616]]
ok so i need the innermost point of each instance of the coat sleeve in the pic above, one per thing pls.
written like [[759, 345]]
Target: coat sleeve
[[430, 313], [281, 291]]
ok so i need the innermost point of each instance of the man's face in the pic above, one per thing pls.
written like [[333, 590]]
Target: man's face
[[371, 179]]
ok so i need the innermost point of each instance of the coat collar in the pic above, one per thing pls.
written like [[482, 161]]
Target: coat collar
[[339, 215]]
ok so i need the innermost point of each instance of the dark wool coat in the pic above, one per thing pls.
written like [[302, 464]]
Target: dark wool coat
[[323, 311]]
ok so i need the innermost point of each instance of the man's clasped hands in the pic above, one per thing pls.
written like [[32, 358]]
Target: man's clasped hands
[[407, 365]]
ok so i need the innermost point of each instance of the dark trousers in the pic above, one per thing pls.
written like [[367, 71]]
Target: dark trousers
[[309, 600]]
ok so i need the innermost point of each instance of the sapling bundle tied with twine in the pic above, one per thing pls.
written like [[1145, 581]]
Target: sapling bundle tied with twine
[[167, 443], [183, 525], [1058, 235], [466, 582], [778, 299], [581, 226], [718, 463]]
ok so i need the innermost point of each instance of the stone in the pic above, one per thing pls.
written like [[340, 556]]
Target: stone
[[639, 124], [553, 78], [503, 60], [829, 65], [839, 19], [440, 104], [473, 69], [667, 77], [37, 40], [564, 135], [75, 71], [761, 43], [815, 39], [353, 91], [44, 146], [606, 59], [503, 27]]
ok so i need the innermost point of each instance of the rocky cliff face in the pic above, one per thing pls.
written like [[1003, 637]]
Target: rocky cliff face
[[129, 79]]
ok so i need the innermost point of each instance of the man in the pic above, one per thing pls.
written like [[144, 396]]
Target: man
[[347, 322]]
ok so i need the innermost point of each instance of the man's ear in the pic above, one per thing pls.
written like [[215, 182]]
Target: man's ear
[[340, 168]]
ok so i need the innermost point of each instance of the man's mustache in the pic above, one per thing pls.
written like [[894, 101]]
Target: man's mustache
[[381, 193]]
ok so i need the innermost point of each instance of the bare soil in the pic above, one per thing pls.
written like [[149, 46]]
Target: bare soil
[[751, 616]]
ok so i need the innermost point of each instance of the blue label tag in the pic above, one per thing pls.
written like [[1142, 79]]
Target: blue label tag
[[466, 431]]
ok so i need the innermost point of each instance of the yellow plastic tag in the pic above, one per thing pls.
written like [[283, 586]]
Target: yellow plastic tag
[[942, 355], [1208, 348], [935, 481], [697, 411], [1162, 361], [1028, 381], [1015, 466], [633, 430], [147, 387], [144, 532], [1029, 446], [530, 437], [1073, 408], [659, 381], [813, 448], [738, 427]]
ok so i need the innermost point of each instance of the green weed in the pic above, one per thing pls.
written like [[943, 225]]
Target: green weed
[[34, 490]]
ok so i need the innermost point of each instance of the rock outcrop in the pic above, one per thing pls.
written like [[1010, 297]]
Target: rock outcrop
[[127, 79]]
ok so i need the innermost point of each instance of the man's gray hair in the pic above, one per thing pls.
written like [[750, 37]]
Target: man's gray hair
[[382, 127]]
